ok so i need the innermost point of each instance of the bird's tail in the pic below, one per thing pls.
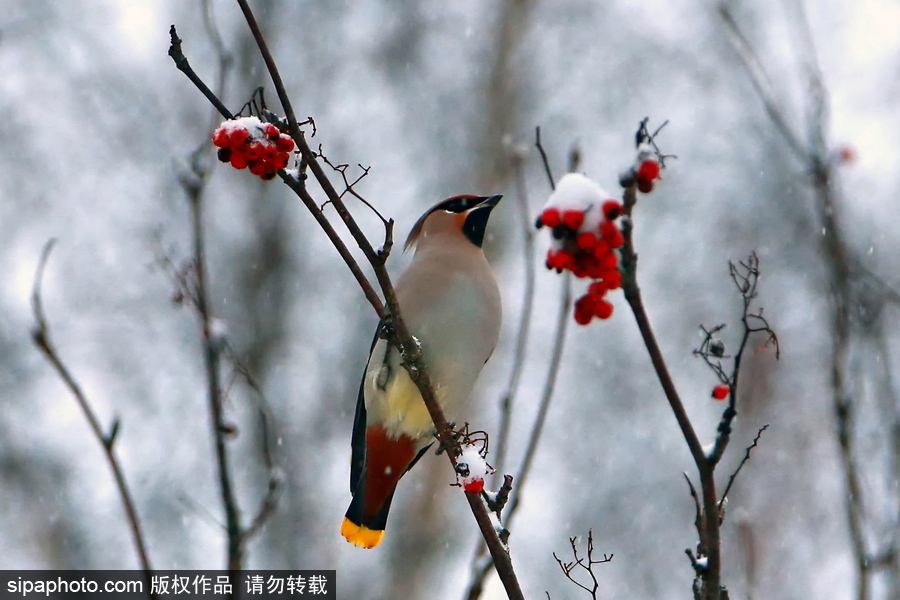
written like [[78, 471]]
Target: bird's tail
[[387, 459]]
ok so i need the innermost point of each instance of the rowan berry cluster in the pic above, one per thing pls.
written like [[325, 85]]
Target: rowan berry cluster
[[582, 219], [248, 143]]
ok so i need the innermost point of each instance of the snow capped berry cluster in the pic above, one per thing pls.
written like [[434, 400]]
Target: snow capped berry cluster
[[472, 468], [247, 142], [582, 218], [644, 172]]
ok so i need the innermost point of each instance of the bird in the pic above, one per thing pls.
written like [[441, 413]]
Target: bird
[[450, 302]]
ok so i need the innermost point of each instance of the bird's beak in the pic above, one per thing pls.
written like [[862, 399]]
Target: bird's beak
[[488, 201]]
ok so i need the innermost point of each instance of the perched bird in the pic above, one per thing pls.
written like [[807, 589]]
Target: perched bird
[[450, 302]]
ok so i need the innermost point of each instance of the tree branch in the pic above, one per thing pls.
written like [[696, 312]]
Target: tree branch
[[709, 539], [41, 337]]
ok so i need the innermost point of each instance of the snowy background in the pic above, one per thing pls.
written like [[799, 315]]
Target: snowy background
[[434, 95]]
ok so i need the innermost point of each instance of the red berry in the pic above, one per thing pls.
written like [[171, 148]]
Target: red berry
[[609, 261], [257, 167], [565, 260], [221, 138], [603, 309], [238, 136], [254, 151], [649, 170], [238, 160], [281, 160], [612, 278], [607, 228], [271, 130], [586, 240], [720, 392], [573, 219], [616, 240], [269, 175], [475, 486], [612, 209], [550, 218], [560, 260], [602, 248], [645, 185], [584, 310], [269, 152], [284, 143], [598, 289]]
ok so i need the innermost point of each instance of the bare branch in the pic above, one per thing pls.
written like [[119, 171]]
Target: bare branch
[[586, 565], [741, 465], [184, 66], [269, 502], [761, 82], [518, 361], [544, 159], [709, 538], [559, 338], [745, 276], [698, 510], [41, 337]]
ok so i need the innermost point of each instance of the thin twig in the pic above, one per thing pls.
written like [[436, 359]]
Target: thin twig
[[586, 565], [544, 160], [41, 337], [211, 356], [269, 502], [698, 510], [184, 66], [518, 361], [745, 276], [741, 465], [761, 82], [559, 338]]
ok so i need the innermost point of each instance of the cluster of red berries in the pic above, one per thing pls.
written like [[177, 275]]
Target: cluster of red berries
[[720, 392], [248, 143], [587, 253], [644, 173]]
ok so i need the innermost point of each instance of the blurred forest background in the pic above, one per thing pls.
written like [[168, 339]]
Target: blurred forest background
[[437, 97]]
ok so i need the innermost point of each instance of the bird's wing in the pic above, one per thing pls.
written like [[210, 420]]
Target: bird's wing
[[358, 437]]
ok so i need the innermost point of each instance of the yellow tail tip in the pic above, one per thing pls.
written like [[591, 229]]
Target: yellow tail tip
[[360, 535]]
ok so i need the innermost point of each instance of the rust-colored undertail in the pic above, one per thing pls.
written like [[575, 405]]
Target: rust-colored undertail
[[387, 459]]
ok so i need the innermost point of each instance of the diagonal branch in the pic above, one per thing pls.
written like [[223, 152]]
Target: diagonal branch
[[41, 337], [710, 537], [741, 465]]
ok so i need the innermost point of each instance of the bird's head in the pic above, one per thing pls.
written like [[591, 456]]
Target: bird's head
[[465, 216]]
